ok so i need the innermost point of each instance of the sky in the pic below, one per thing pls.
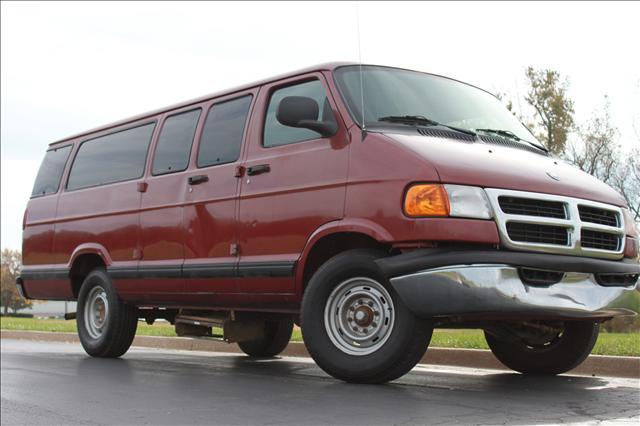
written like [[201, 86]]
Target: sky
[[69, 67]]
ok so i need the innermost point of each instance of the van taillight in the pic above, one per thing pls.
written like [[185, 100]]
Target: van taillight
[[24, 219]]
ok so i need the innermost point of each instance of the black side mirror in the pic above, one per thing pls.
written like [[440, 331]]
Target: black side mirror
[[300, 111]]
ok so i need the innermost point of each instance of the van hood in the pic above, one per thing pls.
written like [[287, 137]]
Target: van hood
[[495, 166]]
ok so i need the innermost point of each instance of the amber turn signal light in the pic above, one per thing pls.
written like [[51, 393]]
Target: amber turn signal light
[[426, 200]]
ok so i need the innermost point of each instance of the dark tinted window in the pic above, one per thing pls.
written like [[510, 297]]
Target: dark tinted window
[[112, 158], [174, 144], [50, 172], [222, 134], [277, 134]]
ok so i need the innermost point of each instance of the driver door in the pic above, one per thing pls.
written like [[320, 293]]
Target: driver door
[[294, 182]]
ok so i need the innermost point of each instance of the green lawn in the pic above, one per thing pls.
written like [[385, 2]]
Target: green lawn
[[627, 344]]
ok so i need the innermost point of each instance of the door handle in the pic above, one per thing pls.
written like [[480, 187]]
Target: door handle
[[198, 179], [259, 169]]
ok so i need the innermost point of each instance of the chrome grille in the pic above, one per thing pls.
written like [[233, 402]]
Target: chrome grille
[[531, 207], [557, 224], [533, 233], [599, 240], [601, 216]]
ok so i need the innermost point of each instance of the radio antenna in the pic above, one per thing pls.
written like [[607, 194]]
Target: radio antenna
[[361, 74]]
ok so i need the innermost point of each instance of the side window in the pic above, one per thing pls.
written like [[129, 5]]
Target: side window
[[48, 179], [174, 144], [112, 158], [276, 134], [222, 134]]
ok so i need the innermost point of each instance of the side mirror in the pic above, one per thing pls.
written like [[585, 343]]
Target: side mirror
[[300, 111]]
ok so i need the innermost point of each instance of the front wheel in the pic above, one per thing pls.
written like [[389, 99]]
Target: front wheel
[[355, 326], [106, 325], [562, 347]]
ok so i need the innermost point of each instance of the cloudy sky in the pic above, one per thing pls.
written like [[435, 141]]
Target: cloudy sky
[[67, 67]]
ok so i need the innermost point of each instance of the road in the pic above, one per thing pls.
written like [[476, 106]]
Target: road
[[56, 383]]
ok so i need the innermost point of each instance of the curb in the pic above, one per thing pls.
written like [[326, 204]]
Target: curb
[[594, 365]]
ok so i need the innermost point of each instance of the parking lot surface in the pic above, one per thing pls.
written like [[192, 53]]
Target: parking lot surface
[[56, 383]]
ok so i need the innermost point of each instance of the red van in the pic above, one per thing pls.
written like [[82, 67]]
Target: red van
[[366, 204]]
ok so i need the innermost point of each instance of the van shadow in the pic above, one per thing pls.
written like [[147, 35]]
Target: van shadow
[[507, 397]]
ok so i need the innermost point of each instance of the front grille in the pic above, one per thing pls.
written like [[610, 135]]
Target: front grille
[[600, 216], [617, 280], [599, 240], [549, 223], [539, 277], [531, 207], [541, 234]]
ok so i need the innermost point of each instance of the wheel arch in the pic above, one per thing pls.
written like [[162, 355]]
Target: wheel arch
[[84, 259], [334, 238]]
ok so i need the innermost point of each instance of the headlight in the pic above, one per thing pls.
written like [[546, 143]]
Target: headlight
[[436, 200], [468, 201]]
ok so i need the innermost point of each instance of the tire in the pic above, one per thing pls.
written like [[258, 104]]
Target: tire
[[107, 335], [392, 339], [563, 353], [277, 334]]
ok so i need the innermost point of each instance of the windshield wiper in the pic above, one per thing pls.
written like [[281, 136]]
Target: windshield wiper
[[511, 135], [506, 133], [422, 120]]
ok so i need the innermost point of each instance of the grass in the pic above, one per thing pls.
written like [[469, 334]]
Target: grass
[[620, 344], [624, 344], [64, 326]]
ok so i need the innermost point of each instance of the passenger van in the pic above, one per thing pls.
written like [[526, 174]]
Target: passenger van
[[367, 204]]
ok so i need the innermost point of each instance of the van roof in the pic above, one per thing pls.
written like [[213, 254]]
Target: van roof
[[329, 66]]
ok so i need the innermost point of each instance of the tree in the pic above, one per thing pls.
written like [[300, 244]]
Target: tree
[[627, 182], [554, 110], [596, 151], [10, 268]]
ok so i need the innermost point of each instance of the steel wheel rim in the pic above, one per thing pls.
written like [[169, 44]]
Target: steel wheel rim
[[359, 316], [96, 312]]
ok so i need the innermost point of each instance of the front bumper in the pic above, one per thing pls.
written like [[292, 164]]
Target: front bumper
[[487, 285]]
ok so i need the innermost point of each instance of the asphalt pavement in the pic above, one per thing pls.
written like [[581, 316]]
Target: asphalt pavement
[[56, 383]]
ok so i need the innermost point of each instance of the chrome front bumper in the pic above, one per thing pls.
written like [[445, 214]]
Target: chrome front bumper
[[495, 291]]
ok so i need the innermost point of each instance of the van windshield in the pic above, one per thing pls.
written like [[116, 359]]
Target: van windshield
[[391, 94]]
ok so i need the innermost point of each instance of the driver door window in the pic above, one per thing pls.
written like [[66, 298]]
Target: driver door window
[[276, 134]]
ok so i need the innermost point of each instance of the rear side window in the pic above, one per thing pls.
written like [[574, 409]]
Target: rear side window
[[174, 144], [112, 158], [222, 134], [276, 134], [48, 179]]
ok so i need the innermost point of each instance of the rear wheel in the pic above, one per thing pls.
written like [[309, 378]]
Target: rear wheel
[[558, 348], [354, 325], [106, 325], [277, 334]]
